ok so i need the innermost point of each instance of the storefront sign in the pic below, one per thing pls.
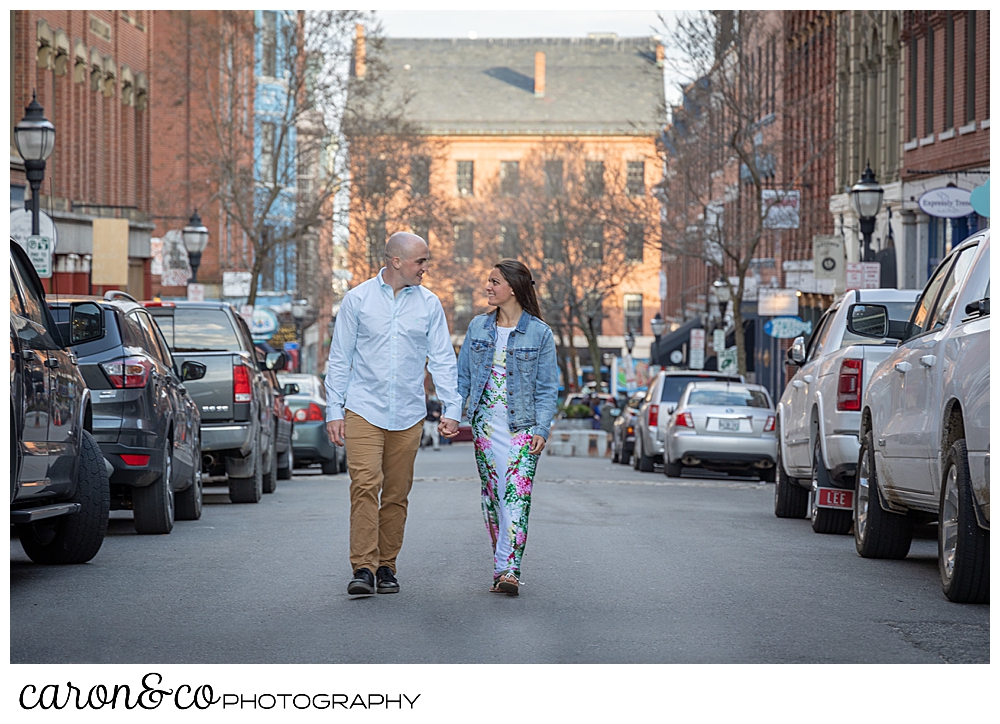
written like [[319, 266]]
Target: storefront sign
[[980, 200], [948, 202], [777, 303], [264, 322], [787, 327], [781, 209]]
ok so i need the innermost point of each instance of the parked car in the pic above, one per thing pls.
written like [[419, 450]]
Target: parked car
[[59, 491], [925, 429], [144, 420], [654, 412], [283, 423], [819, 412], [724, 427], [623, 434], [310, 442], [237, 431]]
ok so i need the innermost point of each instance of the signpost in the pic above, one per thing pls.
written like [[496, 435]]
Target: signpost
[[863, 275], [727, 360], [39, 250], [696, 357], [196, 292]]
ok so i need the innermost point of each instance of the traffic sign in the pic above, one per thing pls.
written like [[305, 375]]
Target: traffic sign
[[727, 360], [39, 250]]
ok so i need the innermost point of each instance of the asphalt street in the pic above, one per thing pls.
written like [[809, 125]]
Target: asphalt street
[[620, 567]]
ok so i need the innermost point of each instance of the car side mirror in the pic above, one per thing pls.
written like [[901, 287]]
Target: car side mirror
[[290, 388], [86, 322], [978, 308], [868, 320], [192, 370], [797, 352], [275, 361]]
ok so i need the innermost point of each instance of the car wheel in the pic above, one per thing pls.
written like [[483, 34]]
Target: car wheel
[[74, 538], [153, 505], [270, 480], [615, 455], [285, 471], [672, 470], [190, 500], [877, 532], [645, 462], [626, 456], [824, 520], [249, 490], [791, 500], [963, 547]]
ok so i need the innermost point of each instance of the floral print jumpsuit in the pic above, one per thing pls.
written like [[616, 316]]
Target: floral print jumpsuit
[[506, 468]]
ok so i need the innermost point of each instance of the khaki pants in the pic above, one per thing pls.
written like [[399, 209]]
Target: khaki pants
[[380, 463]]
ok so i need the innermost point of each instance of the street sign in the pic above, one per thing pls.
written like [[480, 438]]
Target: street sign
[[289, 346], [676, 357], [39, 250], [718, 340], [787, 327], [863, 275], [727, 360], [20, 227], [196, 292], [696, 359]]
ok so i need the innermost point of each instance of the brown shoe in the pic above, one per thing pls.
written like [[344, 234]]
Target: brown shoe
[[495, 588], [508, 584]]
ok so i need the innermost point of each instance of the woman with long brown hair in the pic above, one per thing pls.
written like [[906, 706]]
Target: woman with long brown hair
[[508, 379]]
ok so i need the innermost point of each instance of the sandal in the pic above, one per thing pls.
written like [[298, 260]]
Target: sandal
[[508, 584]]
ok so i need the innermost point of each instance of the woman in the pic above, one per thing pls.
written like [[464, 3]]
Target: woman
[[508, 379]]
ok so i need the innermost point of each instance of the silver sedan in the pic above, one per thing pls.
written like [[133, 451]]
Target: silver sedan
[[722, 426]]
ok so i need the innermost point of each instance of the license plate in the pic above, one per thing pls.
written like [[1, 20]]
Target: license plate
[[836, 498], [729, 425]]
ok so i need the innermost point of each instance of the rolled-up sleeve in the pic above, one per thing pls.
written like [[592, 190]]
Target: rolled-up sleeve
[[441, 361], [546, 386], [338, 366]]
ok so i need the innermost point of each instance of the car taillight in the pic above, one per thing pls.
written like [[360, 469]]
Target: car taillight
[[653, 415], [128, 373], [158, 304], [769, 425], [241, 384], [313, 413], [849, 385], [629, 430], [287, 414], [135, 460], [685, 420]]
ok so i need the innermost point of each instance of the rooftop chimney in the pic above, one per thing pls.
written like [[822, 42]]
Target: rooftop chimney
[[359, 51], [660, 52], [539, 74]]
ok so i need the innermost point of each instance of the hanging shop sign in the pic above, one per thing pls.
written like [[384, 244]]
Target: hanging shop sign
[[787, 327], [264, 322], [947, 202]]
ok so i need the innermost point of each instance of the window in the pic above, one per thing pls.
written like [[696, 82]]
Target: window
[[375, 242], [815, 346], [913, 89], [267, 171], [632, 304], [593, 243], [269, 42], [422, 229], [464, 177], [462, 309], [635, 182], [510, 178], [929, 83], [922, 311], [949, 72], [464, 241], [202, 330], [552, 242], [970, 66], [510, 240], [554, 177], [634, 242], [375, 176], [594, 178], [420, 175], [949, 292]]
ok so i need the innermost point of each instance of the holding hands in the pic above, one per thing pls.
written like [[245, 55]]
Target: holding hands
[[448, 428]]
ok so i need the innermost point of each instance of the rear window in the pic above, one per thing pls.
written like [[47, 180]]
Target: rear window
[[899, 315], [199, 330], [673, 386], [733, 397]]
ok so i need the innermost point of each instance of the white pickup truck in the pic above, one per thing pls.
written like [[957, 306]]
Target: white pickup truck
[[819, 412]]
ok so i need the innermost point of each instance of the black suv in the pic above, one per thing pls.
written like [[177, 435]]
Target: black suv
[[144, 419], [59, 493]]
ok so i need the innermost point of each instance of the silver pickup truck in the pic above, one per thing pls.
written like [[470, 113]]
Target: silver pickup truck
[[237, 432]]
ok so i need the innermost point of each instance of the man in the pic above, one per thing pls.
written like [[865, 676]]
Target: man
[[387, 329]]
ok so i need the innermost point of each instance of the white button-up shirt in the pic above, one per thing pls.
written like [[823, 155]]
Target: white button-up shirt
[[381, 342]]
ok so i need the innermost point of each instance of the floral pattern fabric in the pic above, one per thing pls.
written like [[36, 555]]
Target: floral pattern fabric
[[506, 469]]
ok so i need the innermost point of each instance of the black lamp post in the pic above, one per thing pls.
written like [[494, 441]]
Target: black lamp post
[[867, 197], [195, 236], [629, 341], [35, 137], [658, 326]]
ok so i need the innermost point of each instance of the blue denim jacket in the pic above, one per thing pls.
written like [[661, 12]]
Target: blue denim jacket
[[532, 371]]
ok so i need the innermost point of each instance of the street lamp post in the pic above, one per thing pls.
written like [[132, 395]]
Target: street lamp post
[[867, 197], [658, 326], [35, 137], [195, 236]]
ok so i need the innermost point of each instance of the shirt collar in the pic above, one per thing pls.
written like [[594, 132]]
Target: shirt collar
[[387, 287]]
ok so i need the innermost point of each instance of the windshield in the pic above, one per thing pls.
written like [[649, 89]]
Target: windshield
[[899, 315], [673, 386], [199, 330], [733, 397]]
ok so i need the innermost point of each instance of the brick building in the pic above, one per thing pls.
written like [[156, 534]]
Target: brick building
[[91, 72]]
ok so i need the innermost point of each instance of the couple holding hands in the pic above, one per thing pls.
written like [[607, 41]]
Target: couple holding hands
[[506, 377]]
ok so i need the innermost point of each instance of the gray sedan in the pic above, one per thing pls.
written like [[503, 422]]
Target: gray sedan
[[722, 426], [310, 443]]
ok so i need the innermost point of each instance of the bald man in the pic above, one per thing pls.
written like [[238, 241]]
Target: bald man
[[388, 329]]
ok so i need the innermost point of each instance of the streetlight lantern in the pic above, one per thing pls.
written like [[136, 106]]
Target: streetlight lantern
[[867, 197], [195, 236], [35, 137], [629, 341]]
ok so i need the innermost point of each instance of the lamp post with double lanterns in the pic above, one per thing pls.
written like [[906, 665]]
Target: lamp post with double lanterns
[[35, 137], [195, 236], [659, 326], [867, 197]]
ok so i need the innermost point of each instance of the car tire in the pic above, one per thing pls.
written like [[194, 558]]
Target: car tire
[[189, 502], [285, 471], [963, 547], [615, 455], [74, 538], [269, 482], [332, 466], [153, 504], [877, 532], [791, 500], [825, 520], [672, 470], [626, 456], [249, 490], [645, 462]]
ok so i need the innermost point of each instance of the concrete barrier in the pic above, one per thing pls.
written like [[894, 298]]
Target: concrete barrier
[[578, 443]]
